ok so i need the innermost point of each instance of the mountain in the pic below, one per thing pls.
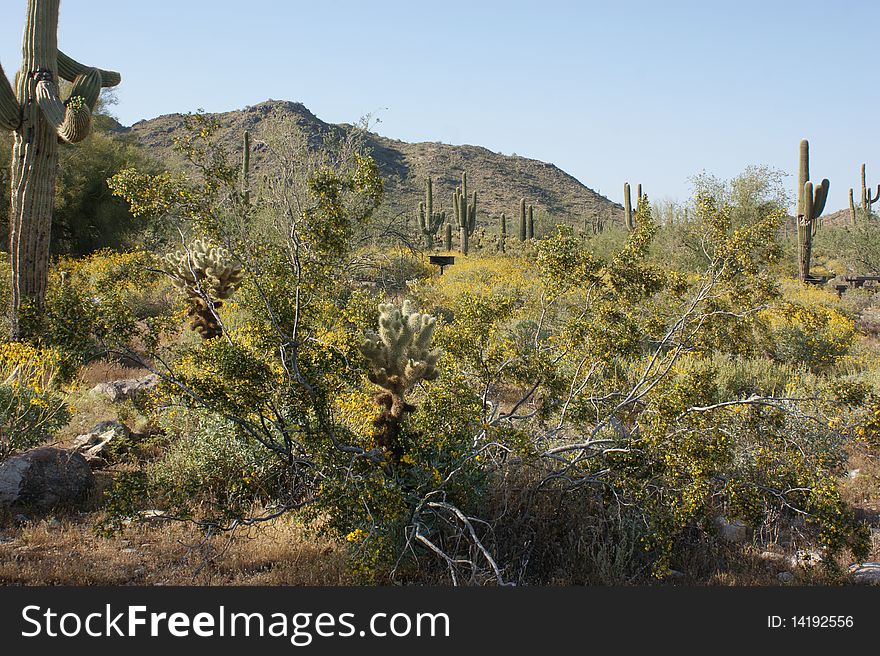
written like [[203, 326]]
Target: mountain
[[499, 180]]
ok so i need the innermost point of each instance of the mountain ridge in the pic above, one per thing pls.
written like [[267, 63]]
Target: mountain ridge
[[500, 180]]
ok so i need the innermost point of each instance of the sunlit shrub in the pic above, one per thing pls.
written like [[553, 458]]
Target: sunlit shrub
[[31, 409]]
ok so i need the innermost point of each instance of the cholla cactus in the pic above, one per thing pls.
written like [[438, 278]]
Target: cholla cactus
[[400, 356], [208, 277]]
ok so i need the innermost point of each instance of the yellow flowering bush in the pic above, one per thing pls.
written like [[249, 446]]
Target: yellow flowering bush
[[30, 407], [814, 336]]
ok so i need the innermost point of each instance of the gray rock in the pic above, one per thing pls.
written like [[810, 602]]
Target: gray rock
[[731, 531], [95, 445], [785, 577], [44, 478], [805, 558], [121, 390], [865, 573]]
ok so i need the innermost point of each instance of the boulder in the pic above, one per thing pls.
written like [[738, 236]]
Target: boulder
[[45, 477], [865, 573], [122, 390], [95, 445], [734, 531]]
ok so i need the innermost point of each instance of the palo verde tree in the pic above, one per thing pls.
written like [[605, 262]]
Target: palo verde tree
[[39, 119]]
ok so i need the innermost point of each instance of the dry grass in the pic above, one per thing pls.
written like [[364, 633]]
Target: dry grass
[[66, 551]]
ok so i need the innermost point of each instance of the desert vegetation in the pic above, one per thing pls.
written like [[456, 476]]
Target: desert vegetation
[[238, 365]]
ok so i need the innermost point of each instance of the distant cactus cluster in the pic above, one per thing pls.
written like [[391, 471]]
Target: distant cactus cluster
[[400, 356], [207, 276], [526, 221]]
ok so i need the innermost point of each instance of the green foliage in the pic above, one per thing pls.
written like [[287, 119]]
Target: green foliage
[[31, 409], [102, 301]]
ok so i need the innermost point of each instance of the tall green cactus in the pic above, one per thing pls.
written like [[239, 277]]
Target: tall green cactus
[[246, 168], [447, 237], [627, 204], [810, 205], [39, 119], [465, 213], [523, 227], [429, 220], [531, 228], [852, 208], [867, 198], [400, 356], [207, 276], [502, 237]]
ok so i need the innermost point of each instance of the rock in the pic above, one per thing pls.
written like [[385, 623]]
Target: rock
[[805, 558], [44, 478], [785, 577], [95, 445], [121, 390], [865, 573], [772, 557], [675, 574], [735, 531], [854, 473]]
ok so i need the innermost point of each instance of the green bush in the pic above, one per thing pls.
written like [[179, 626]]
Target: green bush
[[31, 410]]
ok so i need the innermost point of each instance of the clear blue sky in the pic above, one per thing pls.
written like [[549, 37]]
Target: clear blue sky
[[649, 92]]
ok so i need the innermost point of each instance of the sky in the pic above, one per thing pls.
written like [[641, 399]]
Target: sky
[[638, 91]]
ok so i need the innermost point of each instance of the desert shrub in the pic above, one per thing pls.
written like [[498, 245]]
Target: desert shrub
[[31, 409], [812, 336], [103, 301], [702, 454], [856, 248], [209, 459]]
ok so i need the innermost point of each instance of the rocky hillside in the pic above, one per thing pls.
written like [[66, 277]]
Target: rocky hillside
[[500, 180]]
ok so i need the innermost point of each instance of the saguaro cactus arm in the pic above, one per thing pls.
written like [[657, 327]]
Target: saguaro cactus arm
[[10, 110], [69, 69], [867, 198], [71, 119]]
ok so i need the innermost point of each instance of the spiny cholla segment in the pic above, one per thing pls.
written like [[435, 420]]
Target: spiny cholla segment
[[203, 270], [208, 277], [400, 354]]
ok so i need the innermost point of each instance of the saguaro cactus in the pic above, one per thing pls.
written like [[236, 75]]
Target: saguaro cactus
[[867, 198], [531, 228], [400, 355], [627, 204], [429, 220], [465, 213], [208, 277], [810, 205], [502, 237], [246, 168], [523, 228], [447, 237], [852, 208], [39, 119]]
